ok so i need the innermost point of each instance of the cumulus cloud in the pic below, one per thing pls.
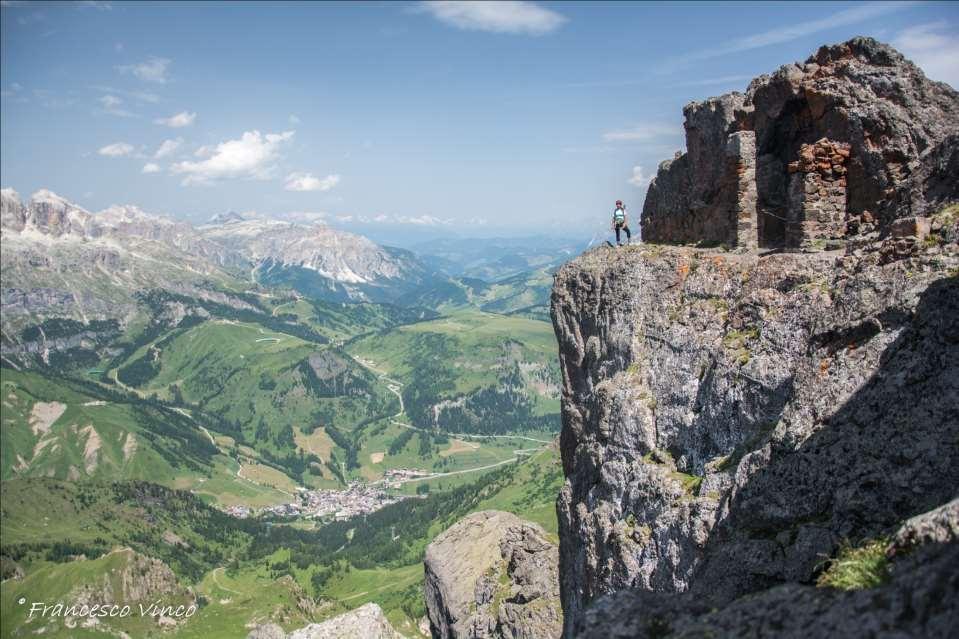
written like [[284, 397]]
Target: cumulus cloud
[[498, 17], [309, 182], [254, 155], [168, 147], [178, 121], [152, 70], [116, 150], [151, 167], [639, 179], [934, 47], [642, 132]]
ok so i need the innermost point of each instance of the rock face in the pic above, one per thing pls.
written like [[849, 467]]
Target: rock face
[[919, 600], [137, 578], [367, 621], [729, 419], [493, 575], [744, 180]]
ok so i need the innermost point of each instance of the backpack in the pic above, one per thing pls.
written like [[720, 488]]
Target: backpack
[[619, 215]]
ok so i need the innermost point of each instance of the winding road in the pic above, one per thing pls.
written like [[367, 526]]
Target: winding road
[[393, 386]]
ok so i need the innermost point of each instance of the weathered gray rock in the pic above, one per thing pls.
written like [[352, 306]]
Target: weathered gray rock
[[728, 419], [918, 601], [367, 621], [939, 526], [493, 575], [267, 631], [899, 128]]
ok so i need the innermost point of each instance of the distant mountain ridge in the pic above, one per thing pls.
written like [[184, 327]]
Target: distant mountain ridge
[[60, 260]]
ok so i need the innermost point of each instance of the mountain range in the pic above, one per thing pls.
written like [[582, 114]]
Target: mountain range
[[61, 259]]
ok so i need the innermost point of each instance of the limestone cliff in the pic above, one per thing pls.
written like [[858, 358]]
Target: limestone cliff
[[493, 575], [729, 419]]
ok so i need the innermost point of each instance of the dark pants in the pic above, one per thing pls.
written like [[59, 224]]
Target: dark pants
[[625, 228]]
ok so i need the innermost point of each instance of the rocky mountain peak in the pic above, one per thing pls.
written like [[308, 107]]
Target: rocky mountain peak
[[738, 184], [226, 218]]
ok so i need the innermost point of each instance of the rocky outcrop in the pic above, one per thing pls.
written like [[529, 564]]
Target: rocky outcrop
[[939, 526], [740, 183], [492, 575], [729, 419], [367, 621], [919, 600], [133, 578]]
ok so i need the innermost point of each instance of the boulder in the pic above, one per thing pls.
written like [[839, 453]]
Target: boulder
[[367, 621], [493, 575]]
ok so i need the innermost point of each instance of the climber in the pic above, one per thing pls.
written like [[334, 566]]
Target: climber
[[619, 222]]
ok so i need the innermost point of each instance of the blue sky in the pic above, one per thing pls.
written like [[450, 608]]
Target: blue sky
[[475, 117]]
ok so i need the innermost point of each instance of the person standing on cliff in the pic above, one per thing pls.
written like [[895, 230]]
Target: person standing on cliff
[[619, 222]]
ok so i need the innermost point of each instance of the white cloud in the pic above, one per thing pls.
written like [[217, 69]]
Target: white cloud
[[294, 119], [853, 15], [422, 220], [113, 105], [94, 4], [151, 167], [13, 90], [305, 217], [642, 132], [152, 70], [254, 155], [168, 147], [498, 17], [417, 220], [180, 120], [139, 96], [934, 47], [638, 179], [116, 150], [309, 182]]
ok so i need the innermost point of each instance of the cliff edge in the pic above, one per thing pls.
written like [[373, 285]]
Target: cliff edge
[[729, 421]]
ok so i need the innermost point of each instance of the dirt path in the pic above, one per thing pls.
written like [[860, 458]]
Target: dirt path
[[212, 441], [393, 386], [221, 586], [460, 472], [403, 582]]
